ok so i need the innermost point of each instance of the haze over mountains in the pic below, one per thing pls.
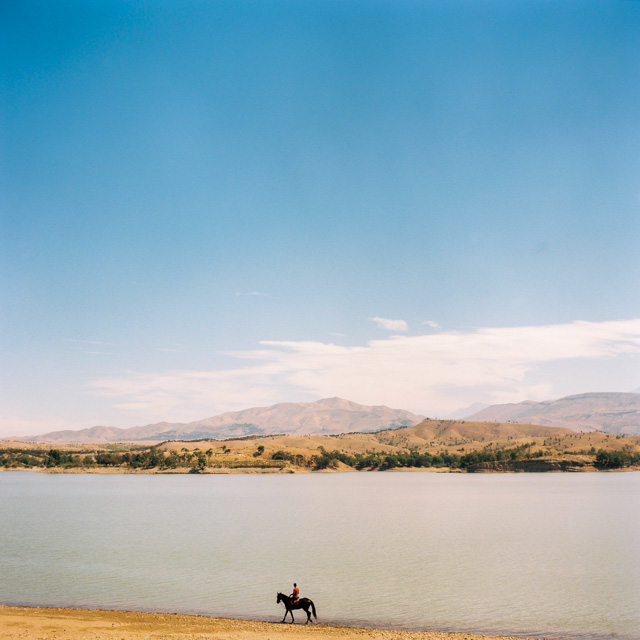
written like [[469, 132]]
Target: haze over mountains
[[323, 417], [616, 413]]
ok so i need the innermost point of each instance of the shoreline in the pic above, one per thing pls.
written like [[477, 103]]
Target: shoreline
[[303, 471], [62, 623], [433, 446]]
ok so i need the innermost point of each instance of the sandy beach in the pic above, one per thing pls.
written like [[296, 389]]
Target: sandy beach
[[38, 623]]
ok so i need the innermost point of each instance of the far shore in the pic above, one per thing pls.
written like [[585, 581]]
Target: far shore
[[39, 623], [433, 446], [303, 470]]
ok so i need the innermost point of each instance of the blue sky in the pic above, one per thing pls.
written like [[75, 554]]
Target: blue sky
[[208, 206]]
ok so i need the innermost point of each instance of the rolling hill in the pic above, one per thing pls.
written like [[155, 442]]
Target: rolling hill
[[443, 445]]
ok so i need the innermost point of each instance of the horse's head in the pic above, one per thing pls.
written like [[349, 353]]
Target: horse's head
[[280, 596]]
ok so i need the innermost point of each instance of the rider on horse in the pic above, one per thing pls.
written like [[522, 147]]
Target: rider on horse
[[294, 601]]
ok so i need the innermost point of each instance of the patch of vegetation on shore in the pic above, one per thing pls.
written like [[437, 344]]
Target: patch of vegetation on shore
[[440, 445], [138, 457], [468, 462]]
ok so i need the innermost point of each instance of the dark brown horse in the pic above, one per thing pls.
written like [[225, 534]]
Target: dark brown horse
[[303, 603]]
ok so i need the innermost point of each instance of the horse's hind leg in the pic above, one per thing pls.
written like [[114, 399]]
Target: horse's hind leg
[[308, 616]]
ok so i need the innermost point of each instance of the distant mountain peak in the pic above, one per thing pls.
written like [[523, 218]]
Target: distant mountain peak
[[326, 416], [465, 412], [339, 403], [612, 412]]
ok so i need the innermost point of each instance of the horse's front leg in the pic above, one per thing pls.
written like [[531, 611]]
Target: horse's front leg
[[285, 615]]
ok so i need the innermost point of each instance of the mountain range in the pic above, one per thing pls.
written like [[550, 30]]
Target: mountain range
[[323, 417], [616, 413]]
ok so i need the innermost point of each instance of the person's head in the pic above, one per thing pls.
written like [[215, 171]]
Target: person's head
[[294, 584]]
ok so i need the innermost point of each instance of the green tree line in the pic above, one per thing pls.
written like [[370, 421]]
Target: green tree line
[[197, 460], [616, 459], [415, 459]]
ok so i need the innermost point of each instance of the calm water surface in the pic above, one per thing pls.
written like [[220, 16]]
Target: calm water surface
[[531, 554]]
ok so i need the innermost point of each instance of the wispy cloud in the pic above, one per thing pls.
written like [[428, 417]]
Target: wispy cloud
[[169, 350], [390, 325], [432, 373], [99, 353], [249, 293], [431, 323], [189, 394]]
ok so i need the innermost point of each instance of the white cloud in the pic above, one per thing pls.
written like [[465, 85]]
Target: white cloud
[[98, 353], [390, 325], [249, 293], [183, 395], [432, 323], [432, 374]]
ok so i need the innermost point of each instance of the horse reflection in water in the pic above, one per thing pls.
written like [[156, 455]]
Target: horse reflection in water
[[303, 603]]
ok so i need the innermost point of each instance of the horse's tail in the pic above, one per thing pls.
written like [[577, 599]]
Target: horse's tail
[[313, 609]]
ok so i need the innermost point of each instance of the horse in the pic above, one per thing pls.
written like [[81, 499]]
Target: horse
[[303, 603]]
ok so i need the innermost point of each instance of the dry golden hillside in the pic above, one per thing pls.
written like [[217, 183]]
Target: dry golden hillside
[[441, 444], [454, 437]]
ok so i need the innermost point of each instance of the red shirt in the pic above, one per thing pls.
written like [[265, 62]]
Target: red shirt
[[296, 591]]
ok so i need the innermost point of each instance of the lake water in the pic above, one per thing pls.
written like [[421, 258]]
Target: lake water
[[530, 554]]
